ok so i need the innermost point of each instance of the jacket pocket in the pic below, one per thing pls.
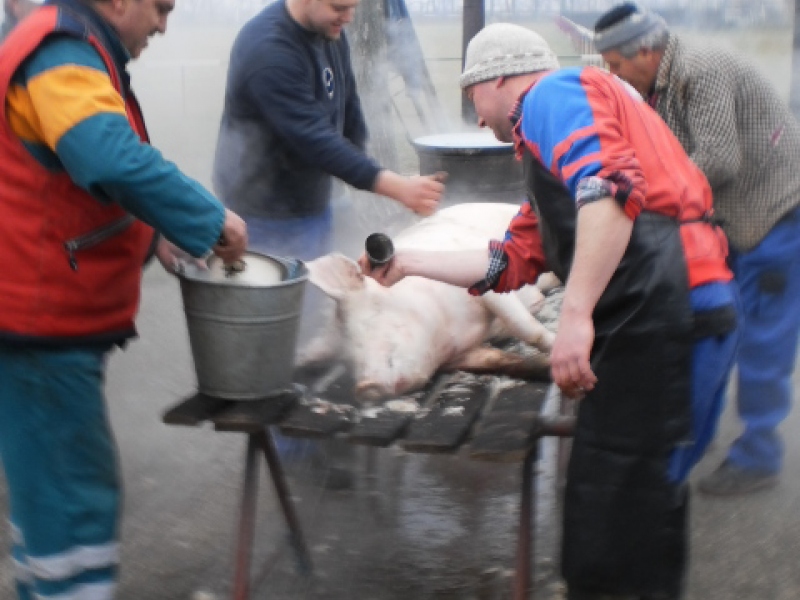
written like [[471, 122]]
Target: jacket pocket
[[95, 237]]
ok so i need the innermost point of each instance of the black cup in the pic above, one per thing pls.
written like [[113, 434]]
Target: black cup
[[379, 248]]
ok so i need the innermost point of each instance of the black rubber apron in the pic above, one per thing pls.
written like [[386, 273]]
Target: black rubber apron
[[624, 522]]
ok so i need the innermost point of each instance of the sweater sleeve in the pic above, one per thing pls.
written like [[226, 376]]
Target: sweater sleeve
[[285, 96], [355, 126], [67, 104]]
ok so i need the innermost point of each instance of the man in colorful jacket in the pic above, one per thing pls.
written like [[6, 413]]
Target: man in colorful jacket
[[734, 126], [81, 195], [618, 211]]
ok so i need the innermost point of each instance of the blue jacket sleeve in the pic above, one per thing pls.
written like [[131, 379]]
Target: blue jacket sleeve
[[102, 153]]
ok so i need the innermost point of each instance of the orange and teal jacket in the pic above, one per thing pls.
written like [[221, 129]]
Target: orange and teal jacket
[[81, 189]]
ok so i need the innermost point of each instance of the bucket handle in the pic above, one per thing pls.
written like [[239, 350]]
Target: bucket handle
[[293, 266]]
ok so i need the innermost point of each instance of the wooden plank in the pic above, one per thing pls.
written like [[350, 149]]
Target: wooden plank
[[507, 431], [194, 410], [318, 417], [382, 424], [450, 414], [326, 408], [381, 429], [250, 416]]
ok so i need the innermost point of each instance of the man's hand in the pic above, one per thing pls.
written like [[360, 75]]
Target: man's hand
[[233, 240], [171, 257], [386, 274], [569, 360], [420, 193]]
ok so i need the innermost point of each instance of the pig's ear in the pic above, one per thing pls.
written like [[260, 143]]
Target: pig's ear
[[336, 275]]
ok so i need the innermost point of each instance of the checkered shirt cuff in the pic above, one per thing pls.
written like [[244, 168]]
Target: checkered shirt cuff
[[616, 185], [498, 262]]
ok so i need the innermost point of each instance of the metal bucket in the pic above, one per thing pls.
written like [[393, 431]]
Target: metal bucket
[[243, 324], [480, 168]]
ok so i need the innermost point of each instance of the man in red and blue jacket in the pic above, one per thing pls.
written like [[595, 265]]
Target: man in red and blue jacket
[[82, 194], [647, 331]]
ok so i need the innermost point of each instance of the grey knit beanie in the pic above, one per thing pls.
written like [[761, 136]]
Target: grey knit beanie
[[504, 49]]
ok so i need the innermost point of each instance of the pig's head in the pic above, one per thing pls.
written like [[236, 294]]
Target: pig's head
[[374, 322]]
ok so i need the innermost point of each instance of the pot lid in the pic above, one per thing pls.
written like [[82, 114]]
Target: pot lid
[[469, 142]]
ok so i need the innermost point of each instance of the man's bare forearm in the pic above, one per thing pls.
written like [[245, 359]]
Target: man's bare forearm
[[603, 233], [461, 268]]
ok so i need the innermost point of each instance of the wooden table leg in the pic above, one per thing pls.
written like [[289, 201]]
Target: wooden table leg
[[525, 534], [247, 516], [282, 489]]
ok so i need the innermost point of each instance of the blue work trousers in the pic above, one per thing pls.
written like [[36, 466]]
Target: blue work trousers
[[60, 463], [712, 360], [769, 283]]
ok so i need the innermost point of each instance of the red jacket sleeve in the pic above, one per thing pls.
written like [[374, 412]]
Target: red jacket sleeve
[[516, 261]]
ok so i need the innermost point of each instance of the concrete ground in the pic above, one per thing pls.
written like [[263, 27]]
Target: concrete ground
[[413, 527]]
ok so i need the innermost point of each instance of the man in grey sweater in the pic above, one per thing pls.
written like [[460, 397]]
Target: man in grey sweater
[[734, 126]]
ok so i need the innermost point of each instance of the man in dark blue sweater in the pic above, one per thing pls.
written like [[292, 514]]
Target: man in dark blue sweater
[[292, 121]]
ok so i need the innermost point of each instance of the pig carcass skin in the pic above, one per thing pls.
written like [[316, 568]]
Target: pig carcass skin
[[396, 338]]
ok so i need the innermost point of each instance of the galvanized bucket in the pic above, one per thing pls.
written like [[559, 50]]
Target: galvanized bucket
[[243, 324]]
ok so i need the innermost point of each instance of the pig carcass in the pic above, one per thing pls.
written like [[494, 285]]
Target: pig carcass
[[396, 338]]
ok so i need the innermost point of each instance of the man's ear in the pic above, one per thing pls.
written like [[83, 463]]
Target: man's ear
[[112, 10]]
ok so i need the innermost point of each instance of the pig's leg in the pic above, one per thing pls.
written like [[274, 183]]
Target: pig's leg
[[486, 359], [548, 281], [519, 322]]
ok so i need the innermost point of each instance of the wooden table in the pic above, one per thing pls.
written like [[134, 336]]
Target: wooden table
[[488, 418]]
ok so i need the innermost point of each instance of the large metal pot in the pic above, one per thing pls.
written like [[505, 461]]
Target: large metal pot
[[243, 324], [479, 167]]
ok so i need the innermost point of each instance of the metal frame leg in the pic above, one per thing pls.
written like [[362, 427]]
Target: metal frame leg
[[527, 521], [247, 516], [567, 411], [267, 444]]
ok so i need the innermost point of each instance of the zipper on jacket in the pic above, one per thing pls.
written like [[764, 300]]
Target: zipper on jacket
[[93, 238]]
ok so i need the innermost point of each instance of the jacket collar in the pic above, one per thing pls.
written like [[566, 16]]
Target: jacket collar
[[665, 66], [102, 29]]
